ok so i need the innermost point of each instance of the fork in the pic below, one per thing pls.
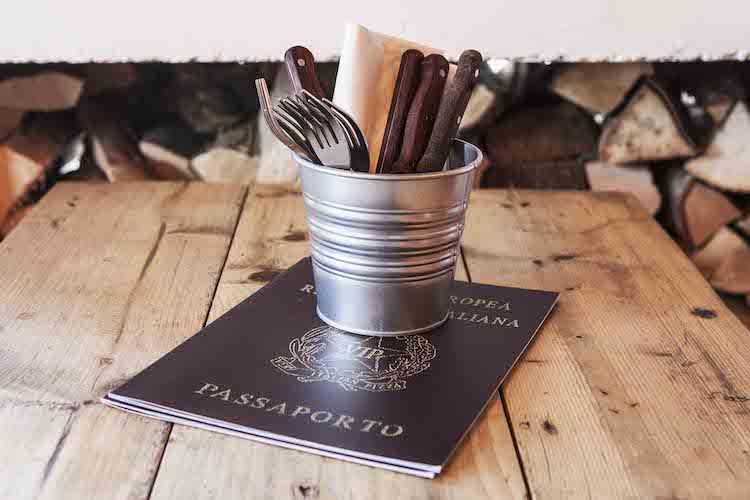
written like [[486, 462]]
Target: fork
[[284, 131], [329, 141], [358, 143]]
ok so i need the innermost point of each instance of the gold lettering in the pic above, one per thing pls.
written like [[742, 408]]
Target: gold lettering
[[308, 289], [454, 299], [514, 323], [384, 431], [480, 302], [499, 321], [484, 319], [492, 304], [374, 352], [505, 306], [210, 387], [461, 316], [300, 410], [344, 420], [260, 402], [279, 408], [450, 313], [466, 300], [369, 424], [327, 418], [243, 399], [472, 318], [222, 395]]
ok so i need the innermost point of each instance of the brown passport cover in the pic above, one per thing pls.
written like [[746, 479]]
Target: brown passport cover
[[270, 369]]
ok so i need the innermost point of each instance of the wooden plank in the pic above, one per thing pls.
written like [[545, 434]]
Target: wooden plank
[[639, 383], [271, 236], [98, 282]]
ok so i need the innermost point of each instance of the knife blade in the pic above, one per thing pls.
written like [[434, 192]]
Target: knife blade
[[406, 85], [300, 64], [451, 111], [422, 113]]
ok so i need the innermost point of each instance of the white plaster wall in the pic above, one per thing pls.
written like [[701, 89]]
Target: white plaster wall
[[78, 30]]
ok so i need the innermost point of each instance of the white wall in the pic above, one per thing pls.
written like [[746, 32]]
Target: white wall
[[78, 30]]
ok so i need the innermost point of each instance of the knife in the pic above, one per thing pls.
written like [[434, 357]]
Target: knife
[[422, 113], [406, 85], [451, 111], [300, 64]]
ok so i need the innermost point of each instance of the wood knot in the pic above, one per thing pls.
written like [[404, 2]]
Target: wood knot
[[307, 491], [295, 236], [549, 427], [704, 313]]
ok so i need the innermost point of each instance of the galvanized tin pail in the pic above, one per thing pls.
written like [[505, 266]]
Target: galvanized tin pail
[[384, 247]]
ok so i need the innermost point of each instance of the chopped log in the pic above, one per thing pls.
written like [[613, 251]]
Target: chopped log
[[481, 107], [18, 174], [43, 136], [104, 77], [634, 179], [171, 148], [226, 166], [539, 147], [726, 162], [45, 91], [113, 141], [694, 211], [652, 125], [562, 174], [10, 119], [723, 261], [598, 87]]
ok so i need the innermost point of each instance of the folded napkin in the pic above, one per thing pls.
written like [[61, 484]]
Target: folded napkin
[[366, 79]]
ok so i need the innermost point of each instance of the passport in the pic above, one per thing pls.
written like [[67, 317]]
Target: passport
[[270, 370]]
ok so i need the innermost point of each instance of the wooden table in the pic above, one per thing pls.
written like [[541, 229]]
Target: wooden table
[[638, 385]]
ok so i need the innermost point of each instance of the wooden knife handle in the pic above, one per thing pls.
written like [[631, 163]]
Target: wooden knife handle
[[300, 64], [422, 113], [451, 111], [406, 85]]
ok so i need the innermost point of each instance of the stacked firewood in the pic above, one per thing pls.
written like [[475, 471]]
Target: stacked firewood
[[123, 122], [677, 136]]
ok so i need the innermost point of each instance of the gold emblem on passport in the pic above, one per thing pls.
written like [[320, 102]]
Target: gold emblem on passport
[[377, 364]]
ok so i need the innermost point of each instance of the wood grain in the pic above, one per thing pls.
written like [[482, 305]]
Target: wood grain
[[638, 385], [422, 112], [451, 110], [403, 93], [300, 64], [271, 236], [98, 282]]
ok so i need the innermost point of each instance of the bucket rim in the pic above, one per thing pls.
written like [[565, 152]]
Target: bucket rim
[[394, 177]]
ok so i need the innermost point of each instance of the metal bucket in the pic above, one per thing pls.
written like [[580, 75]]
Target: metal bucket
[[384, 246]]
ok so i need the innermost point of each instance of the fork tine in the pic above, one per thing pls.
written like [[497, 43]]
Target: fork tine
[[300, 119], [352, 124], [309, 117], [318, 105], [320, 116], [347, 126]]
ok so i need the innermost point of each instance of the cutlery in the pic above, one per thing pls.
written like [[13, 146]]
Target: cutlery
[[450, 112], [300, 65], [360, 152], [422, 112], [406, 85], [326, 136], [293, 139]]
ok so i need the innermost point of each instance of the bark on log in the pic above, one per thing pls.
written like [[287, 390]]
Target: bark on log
[[171, 148], [540, 147], [651, 126], [113, 141]]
